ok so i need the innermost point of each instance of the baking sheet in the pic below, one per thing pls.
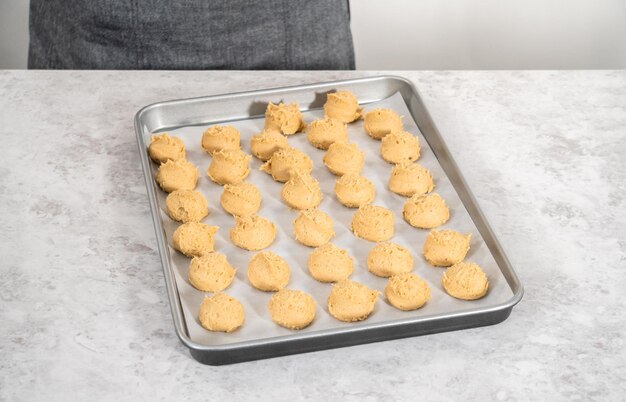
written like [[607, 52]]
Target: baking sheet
[[258, 324]]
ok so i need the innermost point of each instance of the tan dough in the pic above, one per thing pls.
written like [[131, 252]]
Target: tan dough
[[344, 158], [217, 138], [446, 247], [211, 272], [426, 211], [177, 175], [229, 166], [268, 272], [252, 232], [163, 148], [329, 263], [313, 228], [186, 206], [354, 191], [400, 147], [373, 223], [221, 313], [388, 259], [407, 292], [284, 161], [410, 179], [194, 239], [322, 133], [380, 122], [465, 281], [292, 309], [264, 144], [343, 106], [241, 199], [351, 301], [302, 191], [284, 117]]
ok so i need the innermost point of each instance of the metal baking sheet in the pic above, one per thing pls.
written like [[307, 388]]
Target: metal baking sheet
[[260, 337]]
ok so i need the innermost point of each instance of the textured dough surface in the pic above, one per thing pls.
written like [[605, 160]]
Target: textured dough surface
[[217, 138], [241, 199], [373, 223], [446, 247], [400, 147], [344, 158], [313, 227], [194, 239], [268, 272], [285, 118], [351, 301], [186, 206], [380, 122], [407, 291], [286, 160], [329, 263], [426, 211], [410, 179], [264, 144], [465, 281], [229, 166], [252, 232], [163, 148], [177, 175], [301, 191], [221, 313], [343, 106], [354, 191], [211, 273], [292, 309], [388, 259], [322, 133]]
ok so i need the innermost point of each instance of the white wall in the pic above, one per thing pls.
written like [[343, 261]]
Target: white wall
[[446, 34]]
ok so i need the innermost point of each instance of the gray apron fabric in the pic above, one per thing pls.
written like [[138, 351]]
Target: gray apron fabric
[[190, 34]]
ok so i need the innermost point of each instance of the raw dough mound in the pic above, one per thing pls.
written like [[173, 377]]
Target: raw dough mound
[[211, 272], [194, 239], [388, 259], [407, 292], [302, 191], [241, 199], [400, 147], [354, 191], [221, 313], [343, 106], [268, 272], [177, 175], [313, 228], [186, 206], [284, 117], [426, 211], [380, 122], [446, 247], [322, 133], [217, 138], [344, 158], [373, 223], [292, 309], [410, 179], [229, 166], [329, 263], [163, 148], [264, 144], [465, 281], [351, 301], [252, 232], [284, 161]]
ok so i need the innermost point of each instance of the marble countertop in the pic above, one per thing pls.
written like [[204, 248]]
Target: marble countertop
[[84, 313]]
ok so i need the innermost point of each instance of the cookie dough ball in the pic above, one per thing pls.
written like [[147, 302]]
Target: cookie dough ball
[[229, 166], [264, 144], [302, 191], [342, 106], [194, 239], [322, 133], [211, 272], [465, 281], [268, 272], [252, 232], [186, 206], [177, 175], [344, 158], [329, 263], [284, 161], [373, 223], [354, 191], [285, 118], [410, 179], [292, 309], [380, 122], [217, 138], [221, 313], [400, 147], [351, 301], [388, 259], [407, 292], [241, 199], [164, 148], [426, 211], [446, 247], [313, 228]]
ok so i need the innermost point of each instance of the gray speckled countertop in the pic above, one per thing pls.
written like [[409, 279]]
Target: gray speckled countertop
[[83, 308]]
